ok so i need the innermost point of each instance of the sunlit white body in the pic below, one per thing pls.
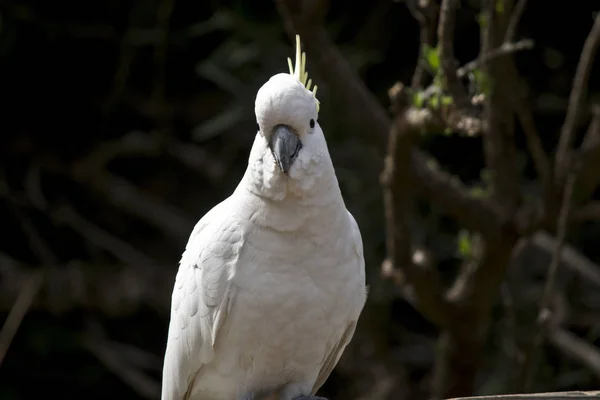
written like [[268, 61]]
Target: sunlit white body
[[272, 281]]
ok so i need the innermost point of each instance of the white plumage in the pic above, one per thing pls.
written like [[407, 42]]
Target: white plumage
[[272, 282]]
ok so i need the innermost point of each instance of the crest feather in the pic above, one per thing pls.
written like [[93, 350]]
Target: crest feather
[[299, 70]]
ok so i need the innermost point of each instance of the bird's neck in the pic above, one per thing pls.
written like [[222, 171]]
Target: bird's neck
[[310, 184], [286, 203]]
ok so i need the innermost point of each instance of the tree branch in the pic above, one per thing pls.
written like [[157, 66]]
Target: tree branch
[[498, 141], [588, 176], [18, 311], [504, 50], [422, 280], [446, 48], [513, 23], [576, 100], [426, 16], [576, 349], [545, 313]]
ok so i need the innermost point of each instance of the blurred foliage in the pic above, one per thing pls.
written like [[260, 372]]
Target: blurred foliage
[[165, 89]]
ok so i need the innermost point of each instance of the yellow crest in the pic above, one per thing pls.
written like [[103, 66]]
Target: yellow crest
[[300, 70]]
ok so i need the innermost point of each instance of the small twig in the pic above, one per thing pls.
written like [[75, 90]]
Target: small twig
[[589, 155], [446, 46], [571, 258], [576, 349], [576, 99], [513, 23], [38, 244], [498, 142], [545, 314], [538, 154], [18, 311], [504, 50], [426, 17]]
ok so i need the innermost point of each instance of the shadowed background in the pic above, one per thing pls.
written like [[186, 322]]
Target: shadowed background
[[125, 121]]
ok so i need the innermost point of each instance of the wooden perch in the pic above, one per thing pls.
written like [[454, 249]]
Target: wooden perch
[[536, 396]]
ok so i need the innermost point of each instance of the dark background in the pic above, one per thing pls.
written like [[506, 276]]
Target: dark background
[[123, 122]]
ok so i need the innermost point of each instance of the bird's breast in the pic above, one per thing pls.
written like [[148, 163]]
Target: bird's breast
[[292, 296]]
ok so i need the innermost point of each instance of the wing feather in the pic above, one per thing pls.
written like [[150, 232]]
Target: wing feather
[[338, 348], [201, 300]]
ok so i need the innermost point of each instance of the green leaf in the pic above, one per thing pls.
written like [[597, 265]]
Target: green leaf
[[479, 192], [434, 102], [482, 20], [446, 100], [464, 243], [418, 99], [432, 56], [483, 83], [499, 6]]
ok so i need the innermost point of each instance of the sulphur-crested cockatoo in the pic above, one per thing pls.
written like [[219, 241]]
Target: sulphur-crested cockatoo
[[272, 281]]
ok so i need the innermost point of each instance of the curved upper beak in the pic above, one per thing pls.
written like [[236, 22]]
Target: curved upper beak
[[285, 145]]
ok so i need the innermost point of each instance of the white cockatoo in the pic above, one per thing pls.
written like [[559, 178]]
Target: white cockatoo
[[272, 280]]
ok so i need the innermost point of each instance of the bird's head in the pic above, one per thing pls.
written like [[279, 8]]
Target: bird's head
[[290, 147]]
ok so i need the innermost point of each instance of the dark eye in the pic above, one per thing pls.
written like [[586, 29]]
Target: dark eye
[[257, 127], [312, 123]]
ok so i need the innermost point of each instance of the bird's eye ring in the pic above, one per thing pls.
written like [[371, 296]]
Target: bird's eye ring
[[312, 123]]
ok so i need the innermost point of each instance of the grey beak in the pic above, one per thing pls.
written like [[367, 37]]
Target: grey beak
[[285, 145]]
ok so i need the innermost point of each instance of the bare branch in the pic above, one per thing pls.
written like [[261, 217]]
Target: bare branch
[[446, 46], [513, 23], [545, 313], [589, 175], [538, 154], [426, 16], [504, 50], [423, 281], [576, 349], [576, 100], [571, 258], [18, 311], [498, 142]]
